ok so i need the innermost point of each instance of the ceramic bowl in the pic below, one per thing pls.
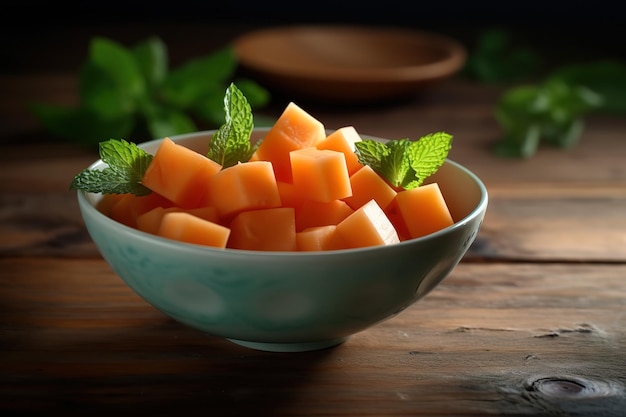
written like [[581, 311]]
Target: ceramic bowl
[[349, 63], [287, 301]]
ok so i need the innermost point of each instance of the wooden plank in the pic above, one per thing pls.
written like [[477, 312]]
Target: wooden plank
[[549, 222], [491, 339]]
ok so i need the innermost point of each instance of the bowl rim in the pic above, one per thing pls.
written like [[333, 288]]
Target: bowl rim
[[87, 207]]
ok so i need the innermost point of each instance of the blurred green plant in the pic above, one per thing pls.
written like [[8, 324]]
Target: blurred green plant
[[550, 111], [498, 58], [553, 111], [126, 92]]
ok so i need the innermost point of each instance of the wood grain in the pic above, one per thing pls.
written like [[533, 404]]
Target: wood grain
[[108, 351]]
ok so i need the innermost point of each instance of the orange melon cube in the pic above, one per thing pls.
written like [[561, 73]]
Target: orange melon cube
[[366, 185], [424, 210], [294, 129], [150, 221], [207, 213], [343, 140], [289, 195], [107, 201], [244, 186], [395, 216], [127, 208], [271, 229], [254, 157], [320, 174], [316, 213], [179, 174], [315, 238], [141, 204], [367, 226], [185, 227], [121, 210]]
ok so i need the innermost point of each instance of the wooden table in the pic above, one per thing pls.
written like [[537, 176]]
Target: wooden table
[[532, 322]]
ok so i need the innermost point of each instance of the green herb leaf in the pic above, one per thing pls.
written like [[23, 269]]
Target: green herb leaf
[[131, 91], [428, 154], [498, 58], [127, 164], [152, 60], [111, 81], [186, 85], [372, 153], [404, 163], [231, 143], [165, 121], [81, 125], [605, 78], [396, 166], [551, 113]]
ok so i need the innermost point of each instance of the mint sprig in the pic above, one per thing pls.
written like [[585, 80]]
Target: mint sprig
[[133, 91], [127, 164], [230, 144], [405, 164]]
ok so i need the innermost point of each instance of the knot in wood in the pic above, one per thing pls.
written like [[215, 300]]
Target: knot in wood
[[570, 388]]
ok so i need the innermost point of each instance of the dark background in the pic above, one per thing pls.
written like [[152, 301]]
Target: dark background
[[54, 36]]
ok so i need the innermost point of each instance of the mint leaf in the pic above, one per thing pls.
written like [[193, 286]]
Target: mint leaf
[[210, 106], [127, 164], [81, 125], [403, 163], [152, 60], [551, 113], [255, 94], [605, 78], [372, 153], [111, 81], [119, 64], [186, 85], [428, 154], [396, 165], [231, 144], [167, 121], [498, 58], [131, 91]]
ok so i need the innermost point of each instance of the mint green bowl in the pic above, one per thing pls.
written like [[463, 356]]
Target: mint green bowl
[[287, 301]]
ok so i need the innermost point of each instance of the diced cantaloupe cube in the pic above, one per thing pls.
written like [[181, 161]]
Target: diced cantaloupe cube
[[316, 213], [320, 174], [244, 186], [185, 227], [180, 174], [271, 229], [107, 201], [367, 226], [209, 213], [395, 216], [289, 195], [315, 238], [424, 210], [294, 129], [367, 185], [127, 208], [121, 211], [150, 221], [343, 140]]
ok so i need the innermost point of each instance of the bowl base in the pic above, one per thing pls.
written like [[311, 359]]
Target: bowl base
[[289, 347]]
